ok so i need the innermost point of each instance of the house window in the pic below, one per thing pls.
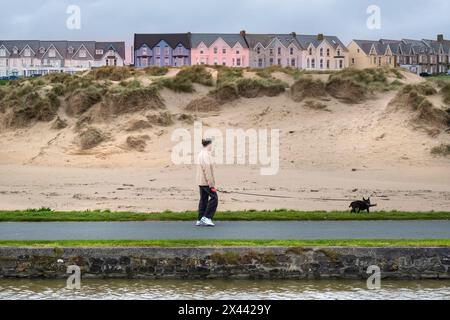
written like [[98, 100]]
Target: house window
[[215, 61], [321, 63], [375, 60], [15, 50], [158, 50], [328, 52], [224, 50], [271, 61], [279, 50], [271, 52], [313, 63], [238, 51], [100, 51], [260, 62], [83, 53], [27, 52], [353, 60], [224, 62], [41, 50], [293, 62], [166, 61], [215, 50], [310, 51], [328, 64], [357, 50], [321, 52], [341, 64], [238, 62], [166, 51], [2, 53], [279, 62], [308, 63], [70, 50], [291, 51], [339, 52], [52, 53], [258, 50], [201, 51]]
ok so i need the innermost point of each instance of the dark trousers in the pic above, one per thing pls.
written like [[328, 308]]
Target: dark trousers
[[208, 203]]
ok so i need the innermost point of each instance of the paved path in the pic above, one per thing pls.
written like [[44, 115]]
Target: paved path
[[330, 230]]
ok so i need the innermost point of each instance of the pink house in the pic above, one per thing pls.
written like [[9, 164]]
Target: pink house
[[220, 49]]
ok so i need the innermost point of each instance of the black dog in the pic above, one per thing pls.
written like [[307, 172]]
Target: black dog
[[363, 205]]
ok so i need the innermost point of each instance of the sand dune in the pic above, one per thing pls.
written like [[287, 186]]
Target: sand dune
[[344, 151]]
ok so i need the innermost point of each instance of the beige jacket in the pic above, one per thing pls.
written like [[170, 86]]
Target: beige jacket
[[205, 169]]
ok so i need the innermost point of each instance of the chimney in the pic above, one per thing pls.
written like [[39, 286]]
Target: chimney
[[294, 34], [320, 36], [243, 33], [440, 38]]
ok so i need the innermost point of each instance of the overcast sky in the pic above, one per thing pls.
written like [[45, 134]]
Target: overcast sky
[[120, 19]]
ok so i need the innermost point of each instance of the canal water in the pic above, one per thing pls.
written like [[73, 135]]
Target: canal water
[[218, 289]]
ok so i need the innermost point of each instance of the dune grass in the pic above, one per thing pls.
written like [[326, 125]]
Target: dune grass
[[226, 243], [45, 214]]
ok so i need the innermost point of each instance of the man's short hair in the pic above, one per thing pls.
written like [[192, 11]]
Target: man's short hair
[[206, 142]]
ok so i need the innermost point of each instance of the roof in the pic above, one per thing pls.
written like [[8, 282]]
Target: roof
[[119, 47], [209, 38], [62, 46], [266, 39], [306, 40], [172, 39]]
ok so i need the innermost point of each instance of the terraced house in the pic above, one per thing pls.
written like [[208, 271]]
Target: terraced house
[[310, 52], [274, 49], [220, 49], [417, 56], [35, 57], [322, 52], [171, 49]]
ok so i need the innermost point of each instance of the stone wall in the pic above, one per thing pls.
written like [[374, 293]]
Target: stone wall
[[236, 263]]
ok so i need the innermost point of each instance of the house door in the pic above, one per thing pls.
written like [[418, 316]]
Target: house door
[[111, 62]]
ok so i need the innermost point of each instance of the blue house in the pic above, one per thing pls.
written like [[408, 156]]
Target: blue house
[[172, 49]]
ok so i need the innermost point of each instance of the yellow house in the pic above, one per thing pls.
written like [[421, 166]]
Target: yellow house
[[372, 54]]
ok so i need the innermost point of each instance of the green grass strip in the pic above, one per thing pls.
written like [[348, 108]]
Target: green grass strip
[[45, 215], [229, 243]]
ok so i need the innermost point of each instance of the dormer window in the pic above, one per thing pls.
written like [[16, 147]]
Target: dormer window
[[41, 50], [27, 52], [2, 52], [215, 50], [100, 51], [111, 53], [321, 52], [52, 53], [339, 52], [15, 50], [238, 51], [279, 50], [258, 50], [328, 52], [70, 50], [291, 51], [310, 51], [83, 53]]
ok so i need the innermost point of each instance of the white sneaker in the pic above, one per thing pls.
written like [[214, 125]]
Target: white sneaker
[[199, 223], [207, 222]]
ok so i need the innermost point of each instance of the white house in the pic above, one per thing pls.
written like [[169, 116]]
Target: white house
[[35, 57]]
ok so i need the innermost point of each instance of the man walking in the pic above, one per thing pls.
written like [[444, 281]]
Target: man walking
[[205, 180]]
